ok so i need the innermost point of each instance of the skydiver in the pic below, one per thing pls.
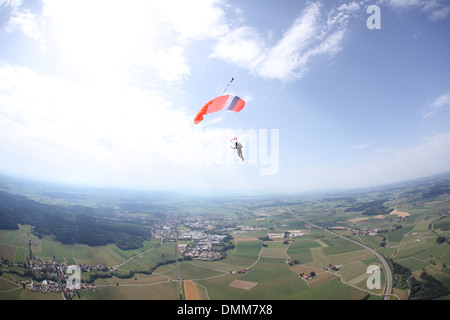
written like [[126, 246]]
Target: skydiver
[[238, 147]]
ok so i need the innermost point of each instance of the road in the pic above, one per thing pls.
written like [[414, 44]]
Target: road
[[179, 282], [388, 290], [135, 256]]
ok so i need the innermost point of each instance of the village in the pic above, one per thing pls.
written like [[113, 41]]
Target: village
[[53, 276], [49, 276]]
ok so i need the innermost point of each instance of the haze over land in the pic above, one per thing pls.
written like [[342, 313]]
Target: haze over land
[[104, 93]]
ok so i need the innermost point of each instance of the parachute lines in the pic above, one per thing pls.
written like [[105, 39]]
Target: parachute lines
[[228, 85]]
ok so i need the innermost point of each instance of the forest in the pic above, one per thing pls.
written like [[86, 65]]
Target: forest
[[371, 208], [69, 224], [425, 287]]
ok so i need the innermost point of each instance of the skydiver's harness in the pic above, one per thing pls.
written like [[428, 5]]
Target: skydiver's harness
[[235, 143]]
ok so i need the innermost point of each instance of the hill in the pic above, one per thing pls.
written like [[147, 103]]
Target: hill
[[69, 224]]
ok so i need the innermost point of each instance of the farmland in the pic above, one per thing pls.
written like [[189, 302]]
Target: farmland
[[282, 248]]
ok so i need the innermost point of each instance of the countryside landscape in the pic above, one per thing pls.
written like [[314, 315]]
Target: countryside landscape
[[131, 244]]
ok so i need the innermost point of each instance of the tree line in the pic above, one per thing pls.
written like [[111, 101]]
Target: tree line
[[69, 224], [371, 208]]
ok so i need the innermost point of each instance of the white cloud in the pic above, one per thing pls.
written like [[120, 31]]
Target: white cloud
[[440, 13], [405, 3], [243, 46], [288, 59], [115, 124], [362, 146], [202, 19], [10, 3], [25, 21], [435, 10], [366, 145], [350, 7], [436, 106], [310, 36], [21, 19], [171, 64], [97, 36]]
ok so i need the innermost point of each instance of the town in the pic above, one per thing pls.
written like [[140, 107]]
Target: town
[[49, 276]]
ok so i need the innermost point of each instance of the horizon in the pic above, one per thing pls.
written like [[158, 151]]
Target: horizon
[[197, 194], [337, 97]]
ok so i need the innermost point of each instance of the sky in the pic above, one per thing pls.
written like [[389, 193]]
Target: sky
[[339, 94]]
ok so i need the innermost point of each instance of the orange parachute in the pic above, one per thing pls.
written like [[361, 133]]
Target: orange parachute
[[224, 102]]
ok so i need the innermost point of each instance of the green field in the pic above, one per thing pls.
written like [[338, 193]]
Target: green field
[[270, 271], [411, 242], [248, 249]]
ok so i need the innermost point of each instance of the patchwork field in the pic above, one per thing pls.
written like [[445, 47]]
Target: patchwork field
[[190, 290], [241, 284], [414, 234]]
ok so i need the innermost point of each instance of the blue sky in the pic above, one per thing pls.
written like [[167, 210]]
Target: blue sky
[[105, 93]]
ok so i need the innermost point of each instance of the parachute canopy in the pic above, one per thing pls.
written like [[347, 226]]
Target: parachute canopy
[[226, 102]]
